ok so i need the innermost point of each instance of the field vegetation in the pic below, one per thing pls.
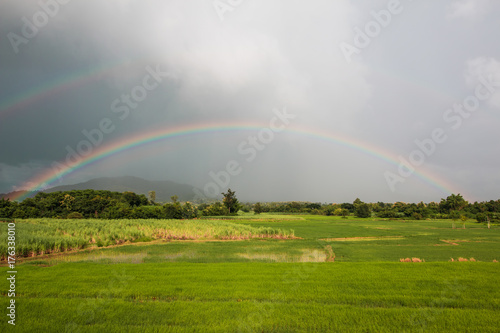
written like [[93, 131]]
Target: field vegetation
[[259, 297], [257, 272], [44, 236]]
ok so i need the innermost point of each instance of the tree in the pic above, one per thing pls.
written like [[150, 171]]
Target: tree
[[68, 202], [189, 211], [152, 196], [348, 206], [357, 202], [363, 210], [132, 199], [98, 204], [173, 210], [7, 207], [481, 217], [257, 208], [454, 215], [452, 202], [463, 218], [231, 202]]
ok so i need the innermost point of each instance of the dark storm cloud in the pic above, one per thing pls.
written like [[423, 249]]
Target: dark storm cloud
[[261, 56]]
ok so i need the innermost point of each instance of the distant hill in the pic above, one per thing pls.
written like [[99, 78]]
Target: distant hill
[[164, 189]]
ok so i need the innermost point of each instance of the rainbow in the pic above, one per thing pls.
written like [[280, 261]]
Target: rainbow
[[61, 84], [104, 151], [79, 78]]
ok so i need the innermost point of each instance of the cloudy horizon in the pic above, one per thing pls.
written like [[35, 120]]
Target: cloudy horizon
[[326, 101]]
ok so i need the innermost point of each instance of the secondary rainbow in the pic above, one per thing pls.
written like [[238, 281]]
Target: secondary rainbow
[[52, 176], [63, 83]]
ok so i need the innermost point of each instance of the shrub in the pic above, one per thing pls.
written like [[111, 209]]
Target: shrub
[[19, 213], [417, 216], [173, 210], [75, 215], [390, 214], [217, 209], [257, 208], [480, 217]]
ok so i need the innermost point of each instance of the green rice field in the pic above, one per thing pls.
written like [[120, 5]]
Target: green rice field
[[265, 273]]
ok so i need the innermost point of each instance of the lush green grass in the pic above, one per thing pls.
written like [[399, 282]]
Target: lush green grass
[[429, 240], [256, 297], [269, 285], [351, 240]]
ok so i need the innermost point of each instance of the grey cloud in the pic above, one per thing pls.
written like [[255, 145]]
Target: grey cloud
[[263, 55]]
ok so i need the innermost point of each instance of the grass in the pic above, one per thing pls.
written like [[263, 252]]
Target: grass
[[256, 297], [338, 275]]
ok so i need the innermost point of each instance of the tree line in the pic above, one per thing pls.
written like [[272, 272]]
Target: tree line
[[115, 205], [112, 205], [453, 207]]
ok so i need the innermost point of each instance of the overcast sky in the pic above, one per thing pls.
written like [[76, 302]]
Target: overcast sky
[[380, 75]]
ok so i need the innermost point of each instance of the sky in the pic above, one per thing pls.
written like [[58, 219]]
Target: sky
[[323, 101]]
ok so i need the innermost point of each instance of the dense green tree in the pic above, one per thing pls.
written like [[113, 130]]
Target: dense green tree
[[134, 199], [173, 210], [452, 202], [7, 208], [231, 202], [314, 205], [481, 217], [257, 208], [189, 211], [348, 206], [363, 210]]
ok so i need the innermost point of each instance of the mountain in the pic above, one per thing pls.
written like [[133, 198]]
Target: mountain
[[164, 189]]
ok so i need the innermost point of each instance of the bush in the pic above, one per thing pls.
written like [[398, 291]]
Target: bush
[[417, 216], [257, 208], [173, 210], [189, 211], [75, 215], [19, 214], [481, 217], [390, 214], [217, 209]]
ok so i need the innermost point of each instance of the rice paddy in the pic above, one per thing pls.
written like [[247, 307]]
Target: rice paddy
[[327, 275]]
